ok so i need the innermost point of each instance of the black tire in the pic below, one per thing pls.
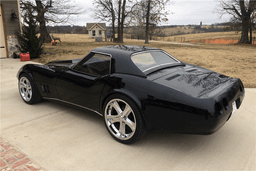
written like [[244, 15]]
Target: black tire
[[127, 125], [28, 90]]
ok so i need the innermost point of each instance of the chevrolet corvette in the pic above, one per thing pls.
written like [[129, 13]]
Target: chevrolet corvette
[[136, 89]]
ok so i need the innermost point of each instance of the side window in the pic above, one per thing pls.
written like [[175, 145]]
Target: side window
[[93, 33], [97, 65], [100, 32]]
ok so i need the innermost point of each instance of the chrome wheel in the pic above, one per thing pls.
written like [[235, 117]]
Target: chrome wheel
[[25, 89], [120, 119]]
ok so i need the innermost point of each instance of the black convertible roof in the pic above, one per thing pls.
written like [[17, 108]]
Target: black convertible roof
[[121, 55]]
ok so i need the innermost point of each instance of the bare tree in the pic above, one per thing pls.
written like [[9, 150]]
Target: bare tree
[[150, 13], [51, 11], [106, 10], [242, 15]]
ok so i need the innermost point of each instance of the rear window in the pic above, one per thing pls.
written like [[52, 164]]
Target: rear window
[[149, 60]]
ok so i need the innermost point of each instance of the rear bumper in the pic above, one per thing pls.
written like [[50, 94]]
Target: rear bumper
[[224, 105], [183, 118]]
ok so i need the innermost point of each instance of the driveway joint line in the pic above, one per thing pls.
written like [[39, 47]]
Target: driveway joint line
[[56, 112]]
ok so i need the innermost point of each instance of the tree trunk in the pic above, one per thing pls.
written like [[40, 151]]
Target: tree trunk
[[121, 40], [245, 23], [119, 21], [113, 32], [245, 28], [147, 23], [113, 21], [251, 23], [44, 35]]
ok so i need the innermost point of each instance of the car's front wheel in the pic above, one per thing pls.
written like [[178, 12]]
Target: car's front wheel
[[28, 91], [123, 119]]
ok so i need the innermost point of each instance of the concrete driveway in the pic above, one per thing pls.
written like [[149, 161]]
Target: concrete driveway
[[61, 137]]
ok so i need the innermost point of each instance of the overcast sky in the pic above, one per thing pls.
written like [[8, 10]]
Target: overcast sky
[[184, 12]]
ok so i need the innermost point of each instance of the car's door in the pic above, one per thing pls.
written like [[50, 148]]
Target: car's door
[[83, 84]]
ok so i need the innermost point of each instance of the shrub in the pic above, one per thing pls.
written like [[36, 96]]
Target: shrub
[[27, 39]]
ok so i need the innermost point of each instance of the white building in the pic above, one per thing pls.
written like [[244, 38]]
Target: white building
[[96, 29]]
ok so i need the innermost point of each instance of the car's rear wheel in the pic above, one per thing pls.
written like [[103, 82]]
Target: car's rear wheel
[[123, 119], [28, 91]]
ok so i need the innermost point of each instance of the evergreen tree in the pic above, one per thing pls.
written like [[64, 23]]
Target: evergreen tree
[[28, 39]]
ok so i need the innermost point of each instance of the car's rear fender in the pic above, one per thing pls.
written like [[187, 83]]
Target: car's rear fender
[[121, 92]]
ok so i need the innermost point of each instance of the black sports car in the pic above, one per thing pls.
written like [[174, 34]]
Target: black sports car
[[135, 89]]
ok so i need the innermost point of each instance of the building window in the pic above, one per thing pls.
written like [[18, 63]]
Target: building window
[[100, 32], [93, 33]]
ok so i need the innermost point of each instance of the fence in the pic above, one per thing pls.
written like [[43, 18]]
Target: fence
[[217, 41], [183, 39], [179, 39], [142, 37], [222, 41]]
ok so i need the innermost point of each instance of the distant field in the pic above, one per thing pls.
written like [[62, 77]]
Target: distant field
[[231, 60], [203, 36]]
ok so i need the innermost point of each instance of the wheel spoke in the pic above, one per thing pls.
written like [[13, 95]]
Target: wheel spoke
[[114, 128], [126, 111], [22, 85], [22, 81], [117, 107], [122, 128], [29, 87], [131, 124], [30, 92], [113, 118], [26, 95], [22, 90]]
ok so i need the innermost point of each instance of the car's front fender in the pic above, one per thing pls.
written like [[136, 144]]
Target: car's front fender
[[25, 69]]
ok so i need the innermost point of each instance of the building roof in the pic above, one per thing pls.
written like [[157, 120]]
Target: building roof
[[90, 26]]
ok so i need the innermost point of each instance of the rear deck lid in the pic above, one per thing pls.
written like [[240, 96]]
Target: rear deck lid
[[191, 80]]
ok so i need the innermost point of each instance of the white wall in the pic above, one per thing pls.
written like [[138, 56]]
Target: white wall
[[97, 29], [2, 37]]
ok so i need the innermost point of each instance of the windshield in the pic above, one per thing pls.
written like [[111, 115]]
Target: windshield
[[152, 59]]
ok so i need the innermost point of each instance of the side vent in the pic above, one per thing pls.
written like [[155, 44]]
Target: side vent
[[192, 70], [172, 77], [222, 76], [45, 88]]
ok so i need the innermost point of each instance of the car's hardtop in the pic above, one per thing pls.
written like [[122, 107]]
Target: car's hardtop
[[128, 50], [121, 57]]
